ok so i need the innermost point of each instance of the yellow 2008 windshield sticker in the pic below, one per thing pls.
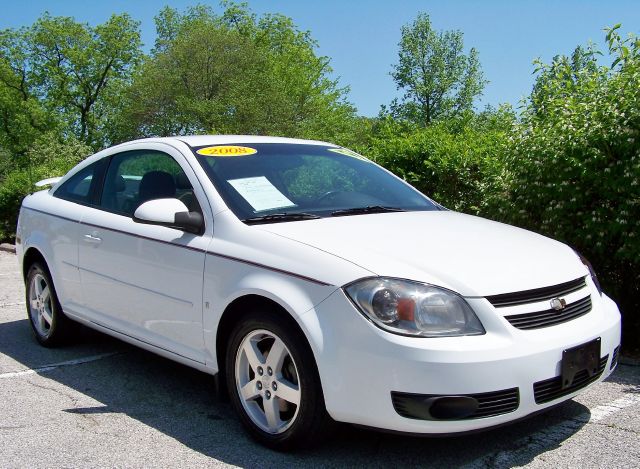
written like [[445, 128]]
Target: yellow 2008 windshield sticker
[[226, 150], [346, 151]]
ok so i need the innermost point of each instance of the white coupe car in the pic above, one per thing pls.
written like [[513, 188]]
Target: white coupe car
[[317, 284]]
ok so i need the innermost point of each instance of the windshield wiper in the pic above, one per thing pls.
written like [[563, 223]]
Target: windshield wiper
[[278, 217], [363, 210]]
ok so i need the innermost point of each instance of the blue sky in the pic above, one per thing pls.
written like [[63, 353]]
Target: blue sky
[[361, 37]]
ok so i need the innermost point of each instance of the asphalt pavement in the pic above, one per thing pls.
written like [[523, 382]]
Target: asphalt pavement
[[103, 403]]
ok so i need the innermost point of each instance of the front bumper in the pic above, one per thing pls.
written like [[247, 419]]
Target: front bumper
[[361, 365]]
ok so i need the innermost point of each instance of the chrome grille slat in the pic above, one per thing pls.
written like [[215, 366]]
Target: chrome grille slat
[[549, 321], [537, 294], [551, 313], [530, 309], [550, 317], [497, 401]]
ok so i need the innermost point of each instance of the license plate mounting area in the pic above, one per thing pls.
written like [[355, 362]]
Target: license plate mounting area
[[579, 358]]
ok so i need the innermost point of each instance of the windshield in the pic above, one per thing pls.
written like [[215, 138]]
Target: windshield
[[274, 182]]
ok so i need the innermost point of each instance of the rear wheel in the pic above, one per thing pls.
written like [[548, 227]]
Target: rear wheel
[[50, 326], [273, 383]]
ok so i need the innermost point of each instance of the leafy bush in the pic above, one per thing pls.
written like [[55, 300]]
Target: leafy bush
[[48, 157], [458, 163], [574, 165]]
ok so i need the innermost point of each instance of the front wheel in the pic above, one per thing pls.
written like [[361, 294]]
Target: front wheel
[[274, 384]]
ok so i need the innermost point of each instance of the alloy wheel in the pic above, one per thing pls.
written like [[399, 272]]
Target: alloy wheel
[[267, 381], [41, 305]]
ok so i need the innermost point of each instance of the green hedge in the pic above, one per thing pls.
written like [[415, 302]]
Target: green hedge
[[459, 163]]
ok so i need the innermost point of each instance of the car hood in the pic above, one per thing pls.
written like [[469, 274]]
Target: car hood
[[471, 255]]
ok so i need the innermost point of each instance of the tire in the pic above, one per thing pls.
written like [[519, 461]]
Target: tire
[[49, 324], [279, 400]]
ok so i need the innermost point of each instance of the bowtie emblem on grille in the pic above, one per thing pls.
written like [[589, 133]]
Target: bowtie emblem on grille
[[558, 304]]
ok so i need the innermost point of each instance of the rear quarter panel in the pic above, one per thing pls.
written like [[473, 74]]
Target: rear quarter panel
[[50, 225]]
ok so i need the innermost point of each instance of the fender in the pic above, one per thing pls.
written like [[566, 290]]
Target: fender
[[296, 296]]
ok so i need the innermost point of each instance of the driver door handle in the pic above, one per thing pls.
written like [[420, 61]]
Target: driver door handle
[[92, 238]]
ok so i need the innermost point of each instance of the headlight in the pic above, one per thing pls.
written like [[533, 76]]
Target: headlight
[[592, 272], [412, 308]]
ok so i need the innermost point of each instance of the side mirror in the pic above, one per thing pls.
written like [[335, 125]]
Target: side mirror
[[169, 212]]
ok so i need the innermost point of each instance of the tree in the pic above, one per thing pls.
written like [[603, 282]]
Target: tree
[[22, 115], [233, 73], [565, 77], [68, 70], [438, 79]]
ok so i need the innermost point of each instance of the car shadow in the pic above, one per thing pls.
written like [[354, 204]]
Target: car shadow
[[180, 402]]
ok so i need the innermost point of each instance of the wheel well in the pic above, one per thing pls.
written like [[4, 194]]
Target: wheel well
[[32, 255], [234, 313]]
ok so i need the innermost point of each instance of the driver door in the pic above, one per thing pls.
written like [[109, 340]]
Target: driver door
[[144, 281]]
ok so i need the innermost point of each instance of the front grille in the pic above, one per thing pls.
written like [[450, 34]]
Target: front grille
[[537, 294], [550, 389], [550, 317], [489, 404], [614, 358], [496, 403]]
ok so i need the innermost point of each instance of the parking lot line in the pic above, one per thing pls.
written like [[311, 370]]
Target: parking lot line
[[602, 411], [545, 438], [54, 366]]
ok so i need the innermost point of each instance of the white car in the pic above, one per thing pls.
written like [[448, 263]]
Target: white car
[[318, 285]]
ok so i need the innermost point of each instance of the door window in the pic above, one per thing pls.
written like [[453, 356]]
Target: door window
[[139, 176]]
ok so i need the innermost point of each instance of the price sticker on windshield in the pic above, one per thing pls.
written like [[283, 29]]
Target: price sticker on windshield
[[226, 150]]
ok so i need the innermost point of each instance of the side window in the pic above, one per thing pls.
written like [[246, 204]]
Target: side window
[[139, 176], [78, 188]]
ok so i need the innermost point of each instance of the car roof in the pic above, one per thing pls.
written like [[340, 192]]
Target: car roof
[[201, 140], [192, 141]]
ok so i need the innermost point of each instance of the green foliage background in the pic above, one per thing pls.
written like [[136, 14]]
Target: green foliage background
[[48, 156], [565, 164]]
